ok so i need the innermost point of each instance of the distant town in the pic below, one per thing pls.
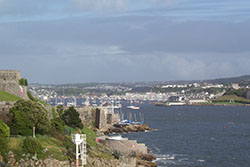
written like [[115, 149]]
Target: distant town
[[174, 92]]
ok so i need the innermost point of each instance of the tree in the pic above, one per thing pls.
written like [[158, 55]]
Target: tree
[[36, 114], [71, 118], [20, 124]]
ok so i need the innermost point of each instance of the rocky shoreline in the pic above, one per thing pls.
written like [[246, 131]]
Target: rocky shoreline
[[142, 158], [120, 128]]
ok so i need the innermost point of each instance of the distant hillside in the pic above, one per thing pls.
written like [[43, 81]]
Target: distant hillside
[[232, 99], [245, 93], [4, 96], [241, 79]]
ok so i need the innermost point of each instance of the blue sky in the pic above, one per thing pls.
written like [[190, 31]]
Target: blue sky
[[65, 41]]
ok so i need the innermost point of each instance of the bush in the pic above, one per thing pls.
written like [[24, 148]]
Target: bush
[[4, 134], [32, 146], [53, 112], [4, 130], [57, 125], [23, 82]]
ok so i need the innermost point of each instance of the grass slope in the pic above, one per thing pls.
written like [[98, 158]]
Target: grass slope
[[54, 147], [229, 98], [4, 96]]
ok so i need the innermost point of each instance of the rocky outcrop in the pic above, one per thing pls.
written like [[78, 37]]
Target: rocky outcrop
[[146, 160], [146, 163], [51, 162], [128, 128], [147, 157], [103, 162], [34, 162]]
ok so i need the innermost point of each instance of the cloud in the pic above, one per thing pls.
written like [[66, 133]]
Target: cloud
[[100, 5], [124, 48]]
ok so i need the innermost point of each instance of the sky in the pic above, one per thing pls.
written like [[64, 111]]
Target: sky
[[77, 41]]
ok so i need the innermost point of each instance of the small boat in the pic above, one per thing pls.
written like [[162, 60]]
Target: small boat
[[133, 107], [115, 138]]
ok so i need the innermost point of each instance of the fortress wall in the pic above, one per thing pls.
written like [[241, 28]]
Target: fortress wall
[[100, 116], [87, 115], [9, 82]]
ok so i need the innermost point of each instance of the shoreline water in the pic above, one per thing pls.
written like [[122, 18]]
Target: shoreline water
[[143, 155]]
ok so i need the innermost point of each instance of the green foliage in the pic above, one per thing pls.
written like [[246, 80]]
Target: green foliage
[[57, 124], [20, 124], [4, 96], [53, 112], [232, 99], [35, 112], [90, 136], [4, 130], [70, 148], [240, 92], [32, 146], [71, 118], [23, 82], [60, 110], [4, 134], [52, 147], [32, 98]]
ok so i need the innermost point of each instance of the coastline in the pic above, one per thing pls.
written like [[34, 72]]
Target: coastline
[[204, 104], [137, 154]]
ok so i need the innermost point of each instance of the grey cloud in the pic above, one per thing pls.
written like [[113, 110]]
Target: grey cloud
[[130, 48]]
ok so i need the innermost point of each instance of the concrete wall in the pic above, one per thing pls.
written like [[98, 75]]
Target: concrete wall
[[9, 82], [125, 147]]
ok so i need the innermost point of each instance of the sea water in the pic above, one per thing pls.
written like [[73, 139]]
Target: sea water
[[197, 136]]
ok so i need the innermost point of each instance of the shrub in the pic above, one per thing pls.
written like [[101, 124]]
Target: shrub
[[58, 125], [32, 146], [4, 134], [23, 82], [4, 130]]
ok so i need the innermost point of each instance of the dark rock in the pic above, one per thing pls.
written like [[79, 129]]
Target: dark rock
[[147, 157], [146, 163]]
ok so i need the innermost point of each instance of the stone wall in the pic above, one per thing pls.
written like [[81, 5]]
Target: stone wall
[[100, 117], [87, 115], [9, 82], [101, 120], [4, 109]]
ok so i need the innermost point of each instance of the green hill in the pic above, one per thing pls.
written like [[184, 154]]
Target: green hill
[[4, 96], [232, 99]]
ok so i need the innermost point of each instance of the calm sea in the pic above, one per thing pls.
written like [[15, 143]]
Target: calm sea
[[197, 136]]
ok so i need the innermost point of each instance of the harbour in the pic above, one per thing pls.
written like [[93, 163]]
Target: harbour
[[189, 136]]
